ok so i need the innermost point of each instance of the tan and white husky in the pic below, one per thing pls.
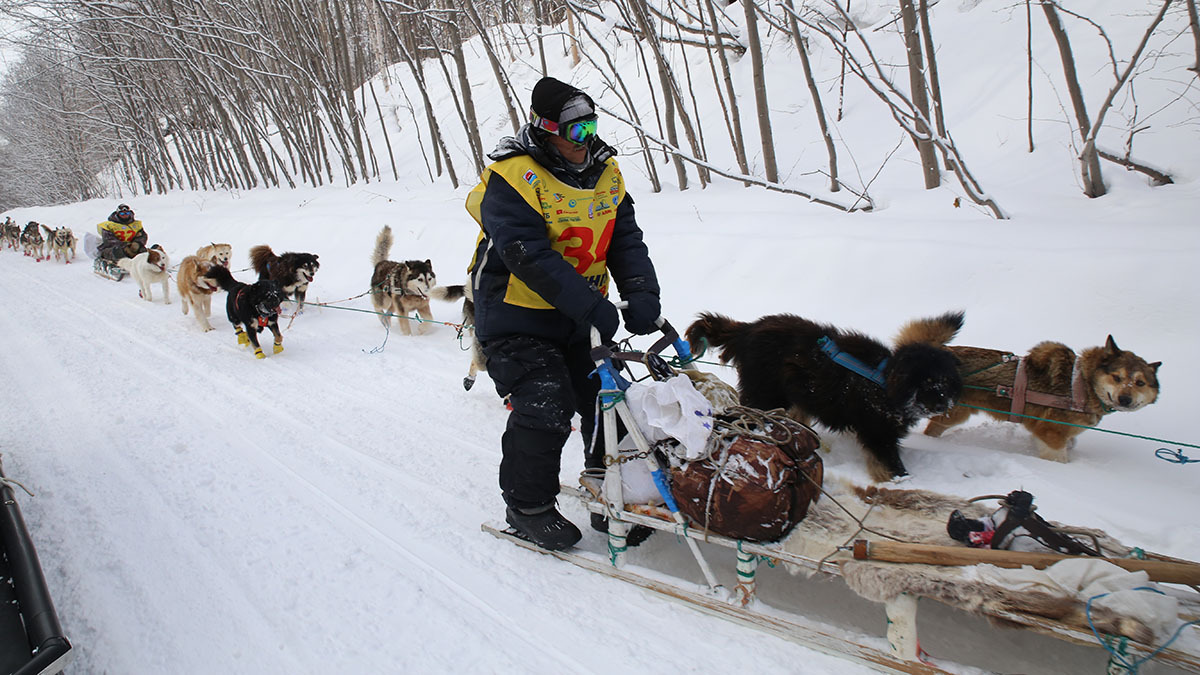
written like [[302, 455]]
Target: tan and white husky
[[195, 289]]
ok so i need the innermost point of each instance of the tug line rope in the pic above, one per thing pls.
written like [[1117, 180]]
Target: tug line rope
[[1174, 456]]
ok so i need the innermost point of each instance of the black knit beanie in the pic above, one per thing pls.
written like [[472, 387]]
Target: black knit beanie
[[550, 95]]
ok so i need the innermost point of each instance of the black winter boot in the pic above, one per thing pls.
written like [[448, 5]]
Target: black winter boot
[[636, 535], [544, 526]]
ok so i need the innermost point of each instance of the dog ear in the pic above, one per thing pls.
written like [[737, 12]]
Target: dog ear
[[1110, 346], [1155, 366]]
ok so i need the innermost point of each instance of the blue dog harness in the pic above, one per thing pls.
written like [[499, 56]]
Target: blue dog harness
[[845, 360]]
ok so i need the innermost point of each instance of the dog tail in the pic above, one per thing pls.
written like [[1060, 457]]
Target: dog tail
[[714, 330], [222, 276], [383, 246], [261, 258], [447, 293], [936, 331]]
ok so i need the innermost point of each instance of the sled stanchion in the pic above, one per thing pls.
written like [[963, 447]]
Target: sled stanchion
[[902, 627], [613, 494], [747, 568], [613, 404]]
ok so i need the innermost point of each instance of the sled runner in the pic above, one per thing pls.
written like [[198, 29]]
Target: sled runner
[[31, 639], [847, 536]]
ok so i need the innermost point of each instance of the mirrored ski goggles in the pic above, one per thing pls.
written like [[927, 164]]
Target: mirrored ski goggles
[[578, 132]]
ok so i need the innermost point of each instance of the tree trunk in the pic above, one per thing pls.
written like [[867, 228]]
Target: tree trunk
[[1093, 181], [1194, 23], [935, 86], [672, 105], [818, 109], [916, 80], [760, 92], [733, 117], [464, 84], [1029, 73], [468, 6]]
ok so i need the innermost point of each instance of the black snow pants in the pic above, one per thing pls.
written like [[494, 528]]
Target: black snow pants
[[547, 383]]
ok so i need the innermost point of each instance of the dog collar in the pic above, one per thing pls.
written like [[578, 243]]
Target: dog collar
[[845, 360]]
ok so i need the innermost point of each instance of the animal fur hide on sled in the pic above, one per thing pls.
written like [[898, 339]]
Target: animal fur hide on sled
[[918, 516]]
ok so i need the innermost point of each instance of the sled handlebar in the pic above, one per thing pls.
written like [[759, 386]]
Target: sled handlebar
[[669, 337]]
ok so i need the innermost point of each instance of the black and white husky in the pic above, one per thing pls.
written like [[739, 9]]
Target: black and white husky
[[292, 272], [400, 288]]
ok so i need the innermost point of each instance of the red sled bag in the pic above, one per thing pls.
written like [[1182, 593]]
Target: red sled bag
[[761, 473]]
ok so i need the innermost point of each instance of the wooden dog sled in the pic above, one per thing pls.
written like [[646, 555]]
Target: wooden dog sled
[[831, 543]]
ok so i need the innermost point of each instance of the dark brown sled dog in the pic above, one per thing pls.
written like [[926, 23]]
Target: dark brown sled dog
[[785, 361]]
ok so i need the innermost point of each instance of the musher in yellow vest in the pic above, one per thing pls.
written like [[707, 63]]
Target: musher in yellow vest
[[121, 236], [556, 226]]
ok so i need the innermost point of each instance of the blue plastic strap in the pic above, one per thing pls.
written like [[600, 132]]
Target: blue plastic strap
[[683, 350], [830, 348], [660, 481]]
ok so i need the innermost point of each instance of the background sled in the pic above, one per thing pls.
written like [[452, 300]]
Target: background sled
[[102, 267], [736, 597], [31, 639]]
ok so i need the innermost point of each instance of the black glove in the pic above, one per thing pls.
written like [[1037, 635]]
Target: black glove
[[605, 318], [641, 313]]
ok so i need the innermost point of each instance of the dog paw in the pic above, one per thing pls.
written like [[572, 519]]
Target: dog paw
[[258, 354], [278, 348], [468, 382]]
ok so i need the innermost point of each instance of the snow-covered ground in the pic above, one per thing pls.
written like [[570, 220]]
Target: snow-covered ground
[[200, 511]]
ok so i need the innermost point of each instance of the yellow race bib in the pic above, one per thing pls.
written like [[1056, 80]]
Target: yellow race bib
[[579, 223]]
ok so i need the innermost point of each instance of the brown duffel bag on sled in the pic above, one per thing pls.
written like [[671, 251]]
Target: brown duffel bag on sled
[[761, 473]]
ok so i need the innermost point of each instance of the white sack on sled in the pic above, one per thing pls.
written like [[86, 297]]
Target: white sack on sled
[[1084, 578], [637, 484], [672, 408]]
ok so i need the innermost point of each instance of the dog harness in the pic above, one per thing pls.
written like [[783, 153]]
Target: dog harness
[[1020, 395], [845, 360], [261, 320], [1022, 513]]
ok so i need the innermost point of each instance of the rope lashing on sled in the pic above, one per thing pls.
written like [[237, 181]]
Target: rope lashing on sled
[[1118, 654], [1178, 457], [5, 480]]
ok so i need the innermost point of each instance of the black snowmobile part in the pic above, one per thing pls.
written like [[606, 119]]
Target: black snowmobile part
[[31, 638]]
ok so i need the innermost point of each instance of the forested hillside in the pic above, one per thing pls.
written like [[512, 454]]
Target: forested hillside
[[156, 95]]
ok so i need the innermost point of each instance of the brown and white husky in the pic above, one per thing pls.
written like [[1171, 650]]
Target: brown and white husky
[[1059, 393]]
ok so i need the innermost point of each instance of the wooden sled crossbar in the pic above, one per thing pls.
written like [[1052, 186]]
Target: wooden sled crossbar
[[899, 655]]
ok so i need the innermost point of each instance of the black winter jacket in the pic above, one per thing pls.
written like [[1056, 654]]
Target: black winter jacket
[[515, 242]]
